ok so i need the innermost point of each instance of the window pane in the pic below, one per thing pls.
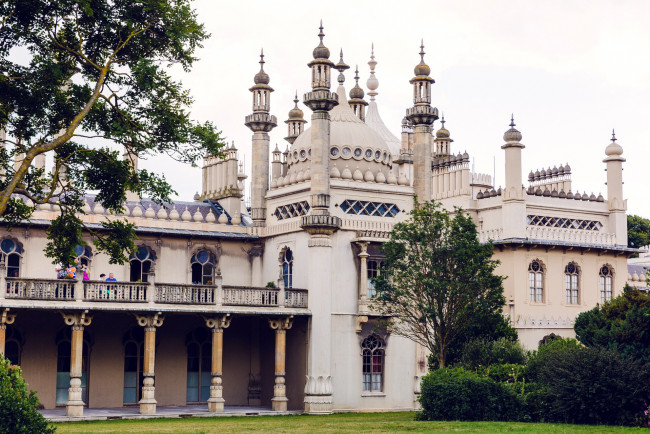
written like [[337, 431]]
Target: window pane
[[130, 395]]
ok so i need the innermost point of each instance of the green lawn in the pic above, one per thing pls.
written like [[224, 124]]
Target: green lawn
[[356, 422]]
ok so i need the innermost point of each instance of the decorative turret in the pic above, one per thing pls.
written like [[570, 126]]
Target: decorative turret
[[320, 100], [443, 140], [514, 205], [356, 101], [422, 116], [285, 161], [617, 204], [295, 123], [276, 163], [260, 122], [341, 67]]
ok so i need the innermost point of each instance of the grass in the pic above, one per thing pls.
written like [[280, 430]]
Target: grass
[[354, 422]]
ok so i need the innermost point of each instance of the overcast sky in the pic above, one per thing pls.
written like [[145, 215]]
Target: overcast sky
[[570, 71]]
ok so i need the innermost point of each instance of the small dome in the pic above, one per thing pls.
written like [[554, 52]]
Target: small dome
[[296, 113], [321, 51], [422, 68], [613, 148], [356, 92], [262, 77], [442, 133], [513, 134]]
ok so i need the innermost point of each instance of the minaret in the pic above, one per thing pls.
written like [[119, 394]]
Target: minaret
[[132, 159], [372, 82], [320, 225], [320, 100], [295, 123], [285, 161], [617, 204], [357, 103], [276, 163], [422, 116], [514, 205], [442, 140], [260, 122]]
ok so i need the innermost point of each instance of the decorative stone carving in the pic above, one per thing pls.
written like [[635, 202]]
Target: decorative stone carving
[[318, 394]]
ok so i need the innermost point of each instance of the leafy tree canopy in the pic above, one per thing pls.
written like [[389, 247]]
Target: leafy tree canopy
[[638, 231], [622, 324], [437, 278], [97, 73]]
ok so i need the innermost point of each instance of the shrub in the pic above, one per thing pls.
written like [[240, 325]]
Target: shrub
[[18, 405], [537, 359], [503, 373], [485, 352], [457, 394], [594, 386]]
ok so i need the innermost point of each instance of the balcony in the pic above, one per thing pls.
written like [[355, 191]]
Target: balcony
[[98, 294]]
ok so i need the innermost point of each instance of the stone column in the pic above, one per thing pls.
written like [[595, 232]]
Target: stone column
[[75, 404], [3, 281], [217, 324], [6, 318], [280, 325], [363, 277], [149, 322], [514, 201]]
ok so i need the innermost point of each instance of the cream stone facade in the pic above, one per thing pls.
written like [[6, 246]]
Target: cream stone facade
[[270, 307]]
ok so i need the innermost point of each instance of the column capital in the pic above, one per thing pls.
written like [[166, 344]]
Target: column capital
[[363, 245], [77, 319], [6, 317], [151, 320], [218, 322], [281, 323]]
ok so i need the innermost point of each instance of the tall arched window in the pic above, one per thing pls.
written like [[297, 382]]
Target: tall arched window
[[133, 363], [11, 254], [141, 261], [572, 282], [199, 365], [203, 263], [606, 276], [373, 271], [13, 345], [84, 254], [287, 268], [373, 363], [536, 281], [63, 367]]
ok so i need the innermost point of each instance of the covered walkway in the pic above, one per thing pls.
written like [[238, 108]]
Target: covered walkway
[[133, 412]]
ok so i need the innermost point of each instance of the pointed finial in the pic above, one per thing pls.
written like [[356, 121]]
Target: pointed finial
[[372, 82], [262, 59], [341, 66], [442, 121], [295, 99], [422, 50], [321, 34], [512, 120], [356, 75], [613, 136]]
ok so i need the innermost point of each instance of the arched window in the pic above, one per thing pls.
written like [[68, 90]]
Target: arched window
[[133, 363], [373, 363], [572, 279], [203, 263], [199, 365], [13, 345], [536, 281], [11, 254], [63, 340], [373, 271], [287, 268], [606, 276], [84, 254], [141, 261]]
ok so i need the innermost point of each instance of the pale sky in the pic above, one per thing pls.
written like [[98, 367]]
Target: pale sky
[[570, 71]]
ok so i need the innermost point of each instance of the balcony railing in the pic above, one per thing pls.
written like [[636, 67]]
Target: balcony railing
[[158, 293]]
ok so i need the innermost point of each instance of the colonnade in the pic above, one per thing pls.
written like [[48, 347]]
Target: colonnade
[[151, 322]]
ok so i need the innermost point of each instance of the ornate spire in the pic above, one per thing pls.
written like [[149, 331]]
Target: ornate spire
[[356, 91], [422, 68], [262, 77], [357, 103], [341, 67], [321, 51], [295, 123], [613, 136], [513, 135], [261, 120], [422, 113], [372, 82]]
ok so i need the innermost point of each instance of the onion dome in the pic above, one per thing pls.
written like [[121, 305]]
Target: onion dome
[[554, 171], [356, 92], [560, 170], [613, 149], [262, 77], [321, 51], [567, 169], [542, 174], [513, 134], [442, 133], [531, 176], [422, 68], [296, 113]]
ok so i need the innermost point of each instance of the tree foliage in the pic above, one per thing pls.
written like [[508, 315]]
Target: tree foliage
[[436, 278], [638, 231], [77, 76], [622, 324], [18, 405]]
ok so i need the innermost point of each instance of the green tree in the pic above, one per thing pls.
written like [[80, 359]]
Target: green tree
[[638, 231], [18, 405], [436, 278], [77, 76], [622, 324]]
